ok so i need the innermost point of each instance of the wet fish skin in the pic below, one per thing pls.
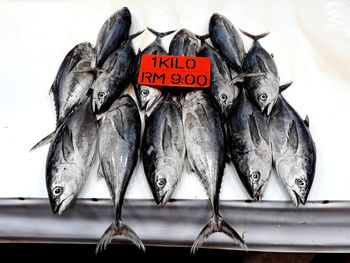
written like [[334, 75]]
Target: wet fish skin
[[148, 97], [227, 41], [294, 151], [116, 75], [205, 144], [184, 43], [263, 89], [249, 142], [118, 147], [163, 149], [113, 32], [223, 87], [70, 157]]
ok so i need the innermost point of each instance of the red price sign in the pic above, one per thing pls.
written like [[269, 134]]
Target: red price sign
[[174, 71]]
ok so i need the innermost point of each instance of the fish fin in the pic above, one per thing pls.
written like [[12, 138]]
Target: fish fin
[[255, 37], [261, 64], [254, 132], [67, 143], [160, 34], [307, 121], [47, 139], [167, 137], [100, 173], [202, 38], [118, 123], [285, 86], [136, 34], [217, 224], [118, 228], [293, 135]]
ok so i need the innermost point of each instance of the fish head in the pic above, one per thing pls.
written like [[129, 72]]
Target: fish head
[[264, 91], [101, 95], [225, 94], [256, 171], [148, 96], [165, 181], [63, 186], [296, 182]]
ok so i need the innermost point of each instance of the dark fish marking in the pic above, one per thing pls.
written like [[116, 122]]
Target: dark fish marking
[[254, 132], [118, 123], [261, 64], [293, 136], [167, 140]]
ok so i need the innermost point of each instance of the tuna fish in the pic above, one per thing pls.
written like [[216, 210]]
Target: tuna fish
[[118, 146]]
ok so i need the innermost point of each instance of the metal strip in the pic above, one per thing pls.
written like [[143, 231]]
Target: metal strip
[[267, 226]]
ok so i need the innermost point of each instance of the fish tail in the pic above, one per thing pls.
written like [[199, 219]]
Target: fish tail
[[202, 38], [160, 34], [136, 34], [217, 224], [254, 37], [47, 139], [118, 228]]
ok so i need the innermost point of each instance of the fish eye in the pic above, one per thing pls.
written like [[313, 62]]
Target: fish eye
[[263, 96], [223, 97], [300, 182], [101, 95], [161, 182], [255, 176], [57, 191], [144, 93]]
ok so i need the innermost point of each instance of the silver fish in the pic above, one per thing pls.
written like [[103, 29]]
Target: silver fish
[[113, 32], [294, 151], [227, 40], [148, 97], [70, 157], [184, 43], [263, 89], [249, 145], [115, 76], [205, 144], [223, 87], [163, 149], [118, 146], [71, 84]]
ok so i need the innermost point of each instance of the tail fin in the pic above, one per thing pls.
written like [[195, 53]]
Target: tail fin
[[255, 37], [118, 228], [136, 34], [160, 34], [217, 224], [202, 38], [43, 141]]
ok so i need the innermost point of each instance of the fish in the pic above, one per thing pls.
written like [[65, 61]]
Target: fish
[[115, 76], [294, 151], [163, 149], [263, 89], [112, 34], [249, 145], [70, 157], [223, 86], [118, 147], [205, 143], [148, 97], [227, 41], [71, 84], [184, 43]]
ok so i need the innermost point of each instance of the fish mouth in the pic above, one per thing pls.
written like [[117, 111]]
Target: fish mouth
[[59, 208], [163, 200], [258, 194], [297, 199]]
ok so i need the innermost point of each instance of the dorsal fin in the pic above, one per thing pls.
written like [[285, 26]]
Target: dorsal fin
[[67, 144], [118, 123], [307, 121], [167, 137]]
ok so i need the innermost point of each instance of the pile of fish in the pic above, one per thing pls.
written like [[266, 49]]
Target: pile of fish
[[242, 118]]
